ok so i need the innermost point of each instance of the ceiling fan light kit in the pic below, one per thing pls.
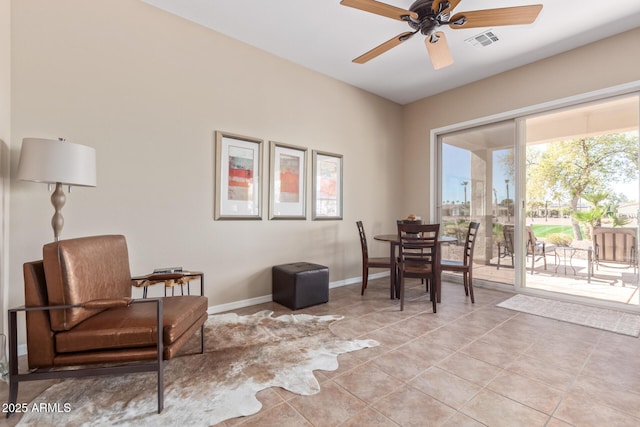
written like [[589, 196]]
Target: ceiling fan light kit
[[427, 16]]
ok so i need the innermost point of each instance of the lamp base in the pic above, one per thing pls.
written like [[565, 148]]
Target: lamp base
[[58, 199]]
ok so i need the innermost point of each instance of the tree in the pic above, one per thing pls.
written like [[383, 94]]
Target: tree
[[593, 217], [506, 183], [464, 207], [573, 168]]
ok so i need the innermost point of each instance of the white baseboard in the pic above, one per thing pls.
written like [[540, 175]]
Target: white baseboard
[[268, 298], [213, 309]]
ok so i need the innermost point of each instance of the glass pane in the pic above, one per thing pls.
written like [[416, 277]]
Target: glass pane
[[582, 201], [477, 184]]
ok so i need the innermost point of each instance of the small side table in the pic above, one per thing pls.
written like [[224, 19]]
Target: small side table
[[566, 250], [570, 251], [170, 280]]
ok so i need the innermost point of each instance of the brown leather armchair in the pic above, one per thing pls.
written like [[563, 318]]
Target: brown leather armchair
[[80, 314]]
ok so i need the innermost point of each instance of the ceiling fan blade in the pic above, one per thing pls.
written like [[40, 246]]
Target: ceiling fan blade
[[383, 47], [438, 49], [382, 9], [495, 17], [452, 4]]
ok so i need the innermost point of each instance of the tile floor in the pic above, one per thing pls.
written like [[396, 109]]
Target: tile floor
[[466, 365]]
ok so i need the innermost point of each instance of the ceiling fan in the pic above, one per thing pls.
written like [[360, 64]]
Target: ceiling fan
[[426, 16]]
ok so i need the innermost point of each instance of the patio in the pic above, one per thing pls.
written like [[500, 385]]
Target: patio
[[608, 282]]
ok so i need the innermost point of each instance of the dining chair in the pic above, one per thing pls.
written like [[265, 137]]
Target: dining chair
[[417, 256], [413, 221], [367, 261], [465, 266]]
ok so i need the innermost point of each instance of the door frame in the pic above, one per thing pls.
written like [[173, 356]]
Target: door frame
[[519, 116]]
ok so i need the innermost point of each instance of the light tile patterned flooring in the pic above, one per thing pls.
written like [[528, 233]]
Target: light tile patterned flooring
[[466, 365]]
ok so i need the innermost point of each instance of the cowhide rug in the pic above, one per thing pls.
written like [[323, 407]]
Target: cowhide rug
[[244, 354]]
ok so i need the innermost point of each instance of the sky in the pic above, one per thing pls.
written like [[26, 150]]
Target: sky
[[456, 165]]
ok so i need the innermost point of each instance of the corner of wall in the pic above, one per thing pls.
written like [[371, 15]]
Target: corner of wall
[[5, 142]]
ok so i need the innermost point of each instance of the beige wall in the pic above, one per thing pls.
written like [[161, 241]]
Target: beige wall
[[603, 64], [148, 90]]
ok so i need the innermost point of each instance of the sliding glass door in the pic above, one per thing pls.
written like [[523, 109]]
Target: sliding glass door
[[582, 192], [556, 194]]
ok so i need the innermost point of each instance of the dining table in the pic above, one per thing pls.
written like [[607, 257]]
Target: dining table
[[393, 244]]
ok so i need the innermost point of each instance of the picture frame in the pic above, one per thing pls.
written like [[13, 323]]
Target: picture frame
[[327, 186], [238, 177], [288, 183]]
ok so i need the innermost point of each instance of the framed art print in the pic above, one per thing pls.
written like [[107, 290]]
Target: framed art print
[[287, 195], [327, 186], [238, 177]]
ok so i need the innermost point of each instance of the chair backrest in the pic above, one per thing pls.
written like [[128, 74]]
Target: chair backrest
[[531, 239], [470, 242], [363, 240], [615, 244], [418, 243], [410, 221], [84, 269], [508, 231]]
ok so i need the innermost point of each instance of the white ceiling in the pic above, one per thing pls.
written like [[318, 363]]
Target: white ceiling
[[325, 36]]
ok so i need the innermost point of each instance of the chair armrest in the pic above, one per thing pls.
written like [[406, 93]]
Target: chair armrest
[[13, 327], [118, 302], [101, 304]]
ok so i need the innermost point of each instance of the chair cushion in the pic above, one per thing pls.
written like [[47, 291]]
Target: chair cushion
[[84, 269], [133, 326], [416, 268]]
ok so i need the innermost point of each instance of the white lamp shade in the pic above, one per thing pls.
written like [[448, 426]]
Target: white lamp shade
[[53, 161]]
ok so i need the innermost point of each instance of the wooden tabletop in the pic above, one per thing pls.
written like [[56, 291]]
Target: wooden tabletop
[[393, 238]]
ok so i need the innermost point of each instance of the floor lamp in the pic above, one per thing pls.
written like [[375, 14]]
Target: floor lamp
[[57, 162]]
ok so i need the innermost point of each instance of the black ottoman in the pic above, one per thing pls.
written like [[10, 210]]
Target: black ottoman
[[300, 284]]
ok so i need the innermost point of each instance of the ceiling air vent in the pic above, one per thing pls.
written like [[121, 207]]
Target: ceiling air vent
[[483, 39]]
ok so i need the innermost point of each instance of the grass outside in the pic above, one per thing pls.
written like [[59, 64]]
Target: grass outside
[[542, 230]]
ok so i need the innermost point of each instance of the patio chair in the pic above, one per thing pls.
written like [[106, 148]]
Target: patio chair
[[505, 247], [537, 250], [616, 245]]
